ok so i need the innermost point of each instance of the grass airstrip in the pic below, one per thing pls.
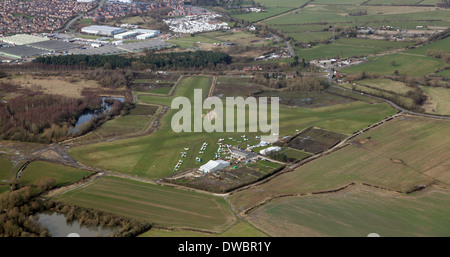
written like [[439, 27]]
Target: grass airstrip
[[153, 156]]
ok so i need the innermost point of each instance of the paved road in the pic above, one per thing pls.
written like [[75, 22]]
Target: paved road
[[289, 47]]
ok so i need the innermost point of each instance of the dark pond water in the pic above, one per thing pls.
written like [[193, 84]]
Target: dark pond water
[[86, 117], [58, 227]]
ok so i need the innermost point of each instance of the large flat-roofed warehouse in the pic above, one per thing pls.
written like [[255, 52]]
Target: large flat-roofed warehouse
[[54, 46], [103, 30], [23, 39], [150, 44], [22, 51], [99, 50], [125, 35]]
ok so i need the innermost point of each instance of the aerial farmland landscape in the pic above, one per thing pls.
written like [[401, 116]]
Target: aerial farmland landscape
[[223, 119]]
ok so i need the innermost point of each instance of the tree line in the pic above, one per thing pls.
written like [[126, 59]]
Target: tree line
[[183, 60]]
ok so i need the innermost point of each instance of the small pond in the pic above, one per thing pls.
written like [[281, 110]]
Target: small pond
[[58, 227], [86, 117]]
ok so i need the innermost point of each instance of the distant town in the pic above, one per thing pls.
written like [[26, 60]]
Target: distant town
[[34, 28]]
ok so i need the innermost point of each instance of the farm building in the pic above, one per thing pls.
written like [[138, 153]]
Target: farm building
[[270, 150], [212, 166], [102, 30], [240, 154]]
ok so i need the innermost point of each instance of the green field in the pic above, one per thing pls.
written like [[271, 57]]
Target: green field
[[350, 47], [387, 85], [393, 2], [63, 175], [189, 42], [356, 213], [162, 206], [282, 3], [406, 64], [240, 229], [295, 154], [376, 90], [443, 45], [5, 168], [444, 73], [254, 16], [400, 155]]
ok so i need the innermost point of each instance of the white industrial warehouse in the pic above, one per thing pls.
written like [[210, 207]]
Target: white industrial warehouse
[[212, 166], [103, 30]]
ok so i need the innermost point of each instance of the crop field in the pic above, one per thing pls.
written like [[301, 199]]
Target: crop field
[[63, 175], [399, 155], [162, 206], [357, 212], [315, 140]]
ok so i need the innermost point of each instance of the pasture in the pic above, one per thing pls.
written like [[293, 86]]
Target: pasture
[[257, 16], [405, 64], [399, 155], [350, 47], [357, 212], [162, 206], [439, 100], [397, 87]]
